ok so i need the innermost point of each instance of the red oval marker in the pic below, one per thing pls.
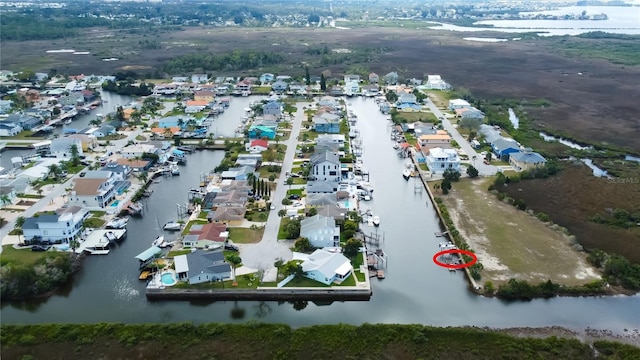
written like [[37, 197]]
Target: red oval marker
[[474, 259]]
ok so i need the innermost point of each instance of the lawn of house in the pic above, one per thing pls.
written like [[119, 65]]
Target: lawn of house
[[26, 256], [301, 281]]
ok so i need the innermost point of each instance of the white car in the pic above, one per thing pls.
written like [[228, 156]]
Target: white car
[[272, 207]]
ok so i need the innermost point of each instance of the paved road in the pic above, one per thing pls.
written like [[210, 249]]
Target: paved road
[[483, 169], [263, 254]]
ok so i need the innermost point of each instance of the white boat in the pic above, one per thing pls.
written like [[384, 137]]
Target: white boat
[[117, 223], [158, 241], [406, 173], [376, 221], [172, 226], [111, 236], [175, 170], [67, 122]]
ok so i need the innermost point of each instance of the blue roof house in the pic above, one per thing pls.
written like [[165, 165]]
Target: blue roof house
[[526, 160], [279, 86], [272, 108], [327, 123], [503, 147], [260, 131], [266, 78]]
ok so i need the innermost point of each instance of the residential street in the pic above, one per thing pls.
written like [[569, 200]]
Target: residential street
[[483, 170], [263, 254]]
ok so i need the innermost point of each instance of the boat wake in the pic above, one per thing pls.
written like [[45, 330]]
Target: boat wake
[[124, 290]]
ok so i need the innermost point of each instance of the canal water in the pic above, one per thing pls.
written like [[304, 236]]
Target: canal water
[[415, 289]]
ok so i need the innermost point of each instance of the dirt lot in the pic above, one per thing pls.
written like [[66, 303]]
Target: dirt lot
[[512, 243], [574, 195], [598, 105]]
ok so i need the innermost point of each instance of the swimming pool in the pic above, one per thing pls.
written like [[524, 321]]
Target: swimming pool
[[168, 279], [115, 203]]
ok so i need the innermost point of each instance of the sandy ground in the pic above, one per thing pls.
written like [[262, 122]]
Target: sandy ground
[[628, 336]]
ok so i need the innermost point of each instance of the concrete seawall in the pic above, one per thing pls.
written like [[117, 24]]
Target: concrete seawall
[[261, 294]]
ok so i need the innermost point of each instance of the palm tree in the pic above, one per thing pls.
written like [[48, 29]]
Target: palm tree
[[54, 170], [95, 122], [18, 225], [234, 260], [75, 155], [5, 199]]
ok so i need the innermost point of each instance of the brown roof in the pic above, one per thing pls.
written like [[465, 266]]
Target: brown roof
[[132, 163], [87, 186], [212, 232], [227, 213]]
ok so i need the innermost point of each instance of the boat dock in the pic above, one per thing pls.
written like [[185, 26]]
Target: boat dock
[[97, 242]]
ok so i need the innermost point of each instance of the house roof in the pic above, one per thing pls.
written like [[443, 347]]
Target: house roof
[[227, 213], [64, 144], [320, 187], [204, 93], [210, 231], [435, 137], [174, 130], [527, 156], [501, 144], [260, 142], [325, 156], [327, 263], [333, 211], [321, 199], [133, 163], [197, 103], [459, 102], [86, 186], [32, 222], [98, 174], [439, 152], [148, 254], [316, 223], [209, 262]]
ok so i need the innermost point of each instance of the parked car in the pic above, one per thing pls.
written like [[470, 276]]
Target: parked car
[[294, 197], [231, 247], [272, 207], [39, 248], [82, 174]]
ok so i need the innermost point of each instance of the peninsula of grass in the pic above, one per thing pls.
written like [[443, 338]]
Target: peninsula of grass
[[276, 341]]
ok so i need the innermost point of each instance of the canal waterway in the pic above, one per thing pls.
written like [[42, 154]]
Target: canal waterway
[[415, 289]]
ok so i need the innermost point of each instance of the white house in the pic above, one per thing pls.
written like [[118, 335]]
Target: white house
[[61, 147], [9, 128], [321, 231], [435, 82], [325, 166], [199, 78], [439, 160], [348, 78], [458, 104], [96, 190], [137, 150], [202, 266], [327, 267], [257, 146], [337, 139], [351, 88], [61, 227]]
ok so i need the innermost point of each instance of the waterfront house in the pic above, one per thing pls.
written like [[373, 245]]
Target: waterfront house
[[139, 151], [349, 78], [202, 266], [204, 95], [5, 106], [406, 98], [165, 89], [336, 139], [370, 90], [174, 121], [136, 165], [326, 123], [87, 142], [73, 99], [9, 128], [374, 78], [229, 215], [266, 78], [179, 79], [121, 172], [61, 227], [95, 191], [195, 106], [241, 186], [209, 234], [526, 159], [328, 101], [325, 166], [272, 108], [502, 147], [458, 104], [257, 146], [321, 187], [199, 78], [327, 267], [10, 193], [439, 160], [338, 214], [408, 107], [321, 231], [61, 147], [336, 90], [322, 200], [279, 86], [26, 122], [351, 88], [229, 198], [490, 133], [237, 173], [435, 82], [262, 131], [104, 130], [440, 139]]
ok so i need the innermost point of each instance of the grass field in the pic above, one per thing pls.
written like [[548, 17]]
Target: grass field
[[25, 256], [422, 116], [245, 235], [511, 243]]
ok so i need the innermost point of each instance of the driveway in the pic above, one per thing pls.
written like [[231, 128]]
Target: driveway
[[263, 254], [483, 169]]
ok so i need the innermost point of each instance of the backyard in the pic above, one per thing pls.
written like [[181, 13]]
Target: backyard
[[511, 243]]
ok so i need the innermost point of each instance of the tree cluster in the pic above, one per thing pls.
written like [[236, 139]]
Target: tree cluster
[[22, 281], [125, 88], [237, 60]]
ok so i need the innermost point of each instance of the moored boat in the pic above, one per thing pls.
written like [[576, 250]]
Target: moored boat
[[117, 223], [172, 226], [376, 221], [406, 173]]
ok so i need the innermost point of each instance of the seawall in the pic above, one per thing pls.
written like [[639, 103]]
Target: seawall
[[261, 294]]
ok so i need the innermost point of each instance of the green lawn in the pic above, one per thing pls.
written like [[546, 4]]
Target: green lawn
[[203, 215], [301, 281], [30, 196], [25, 256], [245, 235], [361, 276], [97, 213], [294, 191], [243, 282], [172, 254], [265, 173], [357, 261], [299, 181], [350, 281], [421, 116], [94, 223], [191, 223], [257, 216], [282, 235]]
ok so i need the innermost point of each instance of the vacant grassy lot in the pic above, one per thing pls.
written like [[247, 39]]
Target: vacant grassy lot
[[574, 195], [26, 256], [422, 116], [245, 235], [510, 243]]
